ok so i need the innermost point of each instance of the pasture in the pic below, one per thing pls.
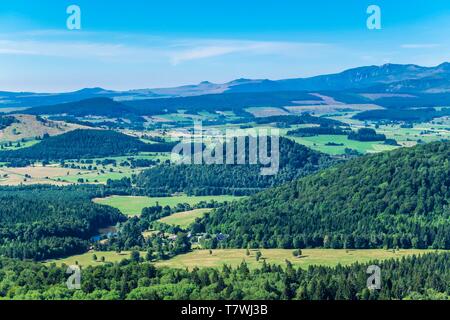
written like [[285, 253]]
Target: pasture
[[331, 108], [86, 259], [324, 257], [132, 205], [260, 112], [34, 175], [77, 171], [184, 219], [319, 143], [29, 127], [234, 257]]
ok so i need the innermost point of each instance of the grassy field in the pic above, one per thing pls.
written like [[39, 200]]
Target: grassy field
[[324, 109], [97, 177], [56, 175], [202, 258], [435, 130], [260, 112], [86, 259], [35, 175], [325, 257], [184, 219], [319, 143], [26, 144], [134, 205], [141, 155]]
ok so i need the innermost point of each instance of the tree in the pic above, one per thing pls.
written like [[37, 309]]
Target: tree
[[258, 255], [149, 255], [135, 256], [297, 253]]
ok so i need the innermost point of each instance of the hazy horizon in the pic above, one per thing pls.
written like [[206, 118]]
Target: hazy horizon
[[217, 83]]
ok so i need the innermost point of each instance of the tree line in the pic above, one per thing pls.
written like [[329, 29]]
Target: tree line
[[415, 277], [6, 121], [295, 161]]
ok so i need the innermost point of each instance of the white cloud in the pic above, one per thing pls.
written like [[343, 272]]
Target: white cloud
[[195, 49], [174, 51], [202, 53]]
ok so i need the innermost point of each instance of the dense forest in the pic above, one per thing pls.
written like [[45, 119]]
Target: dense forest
[[418, 101], [42, 222], [6, 121], [393, 199], [416, 277], [90, 107], [316, 131], [295, 161], [84, 144], [288, 120], [366, 134], [407, 115]]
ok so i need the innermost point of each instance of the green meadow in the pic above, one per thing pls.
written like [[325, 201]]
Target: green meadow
[[233, 257], [132, 205], [320, 143], [324, 257], [87, 259], [184, 219]]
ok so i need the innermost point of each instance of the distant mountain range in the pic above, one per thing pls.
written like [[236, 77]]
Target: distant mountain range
[[385, 79]]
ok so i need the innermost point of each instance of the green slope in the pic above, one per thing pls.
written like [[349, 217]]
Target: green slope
[[295, 161], [398, 198], [84, 144]]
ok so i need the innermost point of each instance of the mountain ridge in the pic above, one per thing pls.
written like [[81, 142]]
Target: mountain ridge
[[351, 79]]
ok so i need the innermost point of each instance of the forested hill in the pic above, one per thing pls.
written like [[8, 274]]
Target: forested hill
[[84, 144], [295, 161], [43, 222], [394, 199], [89, 107]]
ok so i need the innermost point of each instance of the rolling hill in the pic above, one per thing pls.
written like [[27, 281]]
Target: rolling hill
[[29, 127], [90, 107], [32, 99], [84, 144], [235, 102], [393, 199], [295, 161]]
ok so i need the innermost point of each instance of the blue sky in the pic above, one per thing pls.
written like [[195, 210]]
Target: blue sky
[[146, 44]]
